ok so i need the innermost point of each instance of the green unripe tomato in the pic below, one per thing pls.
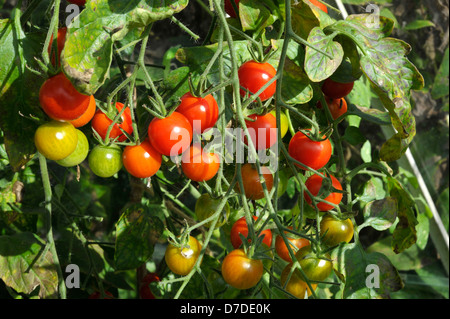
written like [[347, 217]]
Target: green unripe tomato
[[206, 206], [79, 154], [105, 161]]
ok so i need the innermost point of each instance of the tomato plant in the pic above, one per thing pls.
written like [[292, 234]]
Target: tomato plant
[[240, 227], [191, 79], [102, 123], [141, 160], [181, 260], [56, 140], [199, 165], [105, 161], [254, 75], [240, 271], [60, 100], [313, 154]]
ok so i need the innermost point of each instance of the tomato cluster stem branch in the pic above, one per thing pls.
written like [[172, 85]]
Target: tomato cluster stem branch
[[184, 28], [48, 223]]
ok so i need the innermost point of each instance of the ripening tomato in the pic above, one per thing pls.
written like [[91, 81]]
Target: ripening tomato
[[101, 123], [78, 2], [319, 5], [198, 165], [314, 154], [87, 116], [145, 291], [241, 227], [314, 183], [79, 154], [336, 90], [105, 161], [206, 206], [240, 271], [315, 267], [141, 160], [252, 184], [295, 244], [295, 286], [60, 100], [335, 231], [262, 130], [229, 8], [337, 107], [254, 75], [60, 39], [202, 113], [171, 135], [56, 140], [284, 122], [181, 260]]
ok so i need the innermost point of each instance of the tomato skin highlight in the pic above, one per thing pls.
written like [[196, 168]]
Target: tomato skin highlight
[[241, 227], [141, 160], [252, 184], [311, 153], [101, 122], [240, 271], [254, 75], [56, 140], [200, 109], [181, 260], [336, 90], [60, 100], [206, 206], [175, 125], [262, 130], [199, 165], [105, 161], [79, 154], [335, 231], [314, 183], [87, 116]]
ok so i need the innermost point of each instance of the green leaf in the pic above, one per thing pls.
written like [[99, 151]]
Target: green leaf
[[373, 190], [380, 214], [353, 135], [19, 90], [404, 235], [418, 24], [366, 152], [306, 16], [391, 75], [87, 53], [371, 115], [317, 65], [255, 16], [137, 231], [24, 267], [355, 264], [440, 84]]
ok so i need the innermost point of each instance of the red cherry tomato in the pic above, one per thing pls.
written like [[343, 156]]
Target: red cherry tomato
[[200, 109], [262, 130], [61, 38], [336, 90], [229, 8], [145, 292], [294, 243], [314, 183], [60, 100], [141, 160], [171, 135], [319, 5], [252, 184], [240, 271], [241, 227], [254, 75], [198, 165], [337, 107], [314, 154], [101, 122], [87, 116]]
